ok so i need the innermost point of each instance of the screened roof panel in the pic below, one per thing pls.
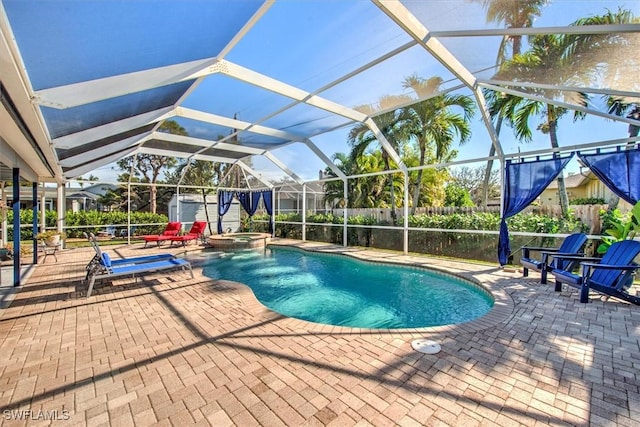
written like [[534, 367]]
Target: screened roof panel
[[259, 140], [324, 40], [382, 86], [306, 120], [172, 146], [203, 130], [466, 15], [227, 96], [76, 119], [102, 144], [250, 72], [216, 152], [71, 41]]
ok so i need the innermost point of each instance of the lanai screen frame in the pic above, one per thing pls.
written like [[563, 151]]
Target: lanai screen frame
[[146, 124]]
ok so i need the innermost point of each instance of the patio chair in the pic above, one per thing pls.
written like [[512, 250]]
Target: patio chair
[[172, 229], [612, 275], [108, 270], [95, 261], [571, 245], [194, 234]]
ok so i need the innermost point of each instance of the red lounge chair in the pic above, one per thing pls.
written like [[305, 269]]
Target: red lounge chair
[[172, 229], [194, 234]]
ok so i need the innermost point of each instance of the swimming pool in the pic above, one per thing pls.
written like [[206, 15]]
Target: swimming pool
[[342, 291]]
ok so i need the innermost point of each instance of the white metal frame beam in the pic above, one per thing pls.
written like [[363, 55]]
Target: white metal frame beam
[[533, 31]]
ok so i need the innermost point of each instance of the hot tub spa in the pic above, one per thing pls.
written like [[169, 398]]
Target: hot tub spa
[[239, 240]]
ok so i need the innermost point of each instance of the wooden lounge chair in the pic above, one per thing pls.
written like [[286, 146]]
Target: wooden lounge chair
[[612, 275], [571, 246], [172, 229], [109, 271], [194, 234]]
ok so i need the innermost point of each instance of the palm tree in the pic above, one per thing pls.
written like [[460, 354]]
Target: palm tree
[[434, 125], [514, 14], [363, 192], [563, 59], [391, 125]]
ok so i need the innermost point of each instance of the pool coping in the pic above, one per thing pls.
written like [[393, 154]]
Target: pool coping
[[502, 309]]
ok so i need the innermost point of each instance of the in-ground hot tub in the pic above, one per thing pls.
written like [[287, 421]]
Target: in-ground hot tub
[[239, 240]]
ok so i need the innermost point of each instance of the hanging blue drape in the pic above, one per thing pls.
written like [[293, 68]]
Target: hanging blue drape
[[618, 170], [268, 205], [224, 203], [249, 201], [245, 201], [523, 183], [255, 199]]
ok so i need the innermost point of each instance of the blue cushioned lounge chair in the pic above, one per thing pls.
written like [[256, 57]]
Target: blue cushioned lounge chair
[[95, 261], [611, 276], [109, 271], [572, 245]]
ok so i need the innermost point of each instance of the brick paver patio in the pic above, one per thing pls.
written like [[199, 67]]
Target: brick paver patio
[[171, 350]]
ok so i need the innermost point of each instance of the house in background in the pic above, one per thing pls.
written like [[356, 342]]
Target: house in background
[[77, 198], [86, 199], [584, 185]]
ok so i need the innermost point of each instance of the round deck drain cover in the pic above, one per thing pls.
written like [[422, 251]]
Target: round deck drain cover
[[426, 346]]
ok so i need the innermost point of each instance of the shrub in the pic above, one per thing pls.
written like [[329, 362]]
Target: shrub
[[588, 201]]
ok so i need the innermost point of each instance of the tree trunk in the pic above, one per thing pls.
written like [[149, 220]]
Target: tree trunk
[[487, 171], [152, 198], [416, 192], [391, 189], [562, 189]]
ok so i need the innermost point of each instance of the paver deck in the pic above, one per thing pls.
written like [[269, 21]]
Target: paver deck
[[171, 350]]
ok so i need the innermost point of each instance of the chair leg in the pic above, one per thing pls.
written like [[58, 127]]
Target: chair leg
[[543, 275], [584, 292], [558, 286], [525, 272]]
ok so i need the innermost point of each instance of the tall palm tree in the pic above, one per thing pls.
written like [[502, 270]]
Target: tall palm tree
[[433, 123], [514, 14], [361, 138], [565, 59]]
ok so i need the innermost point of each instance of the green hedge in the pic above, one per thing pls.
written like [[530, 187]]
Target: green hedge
[[533, 223], [97, 220], [457, 245]]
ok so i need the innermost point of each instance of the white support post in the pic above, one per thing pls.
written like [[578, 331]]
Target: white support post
[[273, 213], [304, 212], [128, 213], [345, 241], [61, 207], [43, 213], [178, 203], [405, 214]]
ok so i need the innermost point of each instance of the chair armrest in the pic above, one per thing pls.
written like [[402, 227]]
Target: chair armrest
[[576, 257], [539, 248], [610, 266]]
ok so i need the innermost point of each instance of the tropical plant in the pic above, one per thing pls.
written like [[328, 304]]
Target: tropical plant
[[434, 125], [623, 227], [563, 60], [361, 138], [47, 234], [514, 14]]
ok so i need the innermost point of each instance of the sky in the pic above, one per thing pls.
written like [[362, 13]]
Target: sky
[[311, 59]]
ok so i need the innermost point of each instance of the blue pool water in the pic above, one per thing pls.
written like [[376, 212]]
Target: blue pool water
[[342, 291]]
